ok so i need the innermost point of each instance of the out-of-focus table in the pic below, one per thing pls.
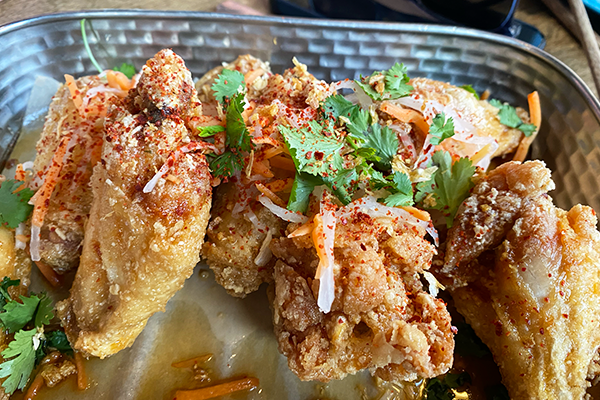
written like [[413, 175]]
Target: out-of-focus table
[[560, 43]]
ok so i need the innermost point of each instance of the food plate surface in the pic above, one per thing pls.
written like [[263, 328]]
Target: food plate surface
[[202, 318]]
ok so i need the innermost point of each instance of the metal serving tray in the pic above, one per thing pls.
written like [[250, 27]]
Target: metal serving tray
[[52, 46]]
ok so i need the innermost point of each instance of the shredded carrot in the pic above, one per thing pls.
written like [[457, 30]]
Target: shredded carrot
[[282, 162], [193, 361], [415, 212], [81, 375], [48, 273], [535, 116], [40, 207], [485, 95], [118, 80], [259, 167], [475, 158], [280, 185], [34, 388], [406, 115], [75, 92], [304, 229], [217, 390], [252, 75], [22, 238], [20, 173], [272, 196], [318, 237]]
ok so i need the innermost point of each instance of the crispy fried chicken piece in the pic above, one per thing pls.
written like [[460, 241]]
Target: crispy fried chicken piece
[[381, 318], [69, 206], [529, 274], [233, 244], [241, 228], [478, 112], [140, 247]]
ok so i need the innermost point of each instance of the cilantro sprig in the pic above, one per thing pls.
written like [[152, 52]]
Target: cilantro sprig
[[508, 116], [395, 82], [127, 69], [441, 129], [229, 91], [14, 206], [448, 186], [27, 319], [470, 89]]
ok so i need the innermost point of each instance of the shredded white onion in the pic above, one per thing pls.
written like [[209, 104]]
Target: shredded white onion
[[281, 212], [101, 89], [434, 284], [18, 232], [361, 97], [34, 248], [27, 165], [325, 272], [264, 254], [433, 233], [250, 216]]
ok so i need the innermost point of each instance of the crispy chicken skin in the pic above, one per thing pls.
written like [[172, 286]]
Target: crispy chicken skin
[[69, 206], [139, 248], [233, 243], [478, 112], [381, 317], [529, 276]]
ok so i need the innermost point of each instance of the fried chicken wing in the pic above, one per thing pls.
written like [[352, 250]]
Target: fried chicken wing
[[144, 234], [380, 319], [61, 234], [241, 228], [528, 276]]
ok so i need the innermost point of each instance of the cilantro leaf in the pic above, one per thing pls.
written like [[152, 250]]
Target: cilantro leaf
[[470, 89], [237, 134], [453, 181], [45, 311], [448, 186], [468, 343], [13, 205], [385, 142], [206, 131], [127, 69], [17, 315], [17, 370], [402, 191], [58, 340], [441, 129], [303, 186], [226, 164], [374, 94], [343, 184], [4, 285], [356, 119], [312, 151], [527, 129], [495, 102], [336, 105], [396, 81], [228, 84], [508, 116]]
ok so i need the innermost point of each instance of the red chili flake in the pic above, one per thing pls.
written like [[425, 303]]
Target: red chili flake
[[566, 315], [308, 155], [541, 331], [319, 155]]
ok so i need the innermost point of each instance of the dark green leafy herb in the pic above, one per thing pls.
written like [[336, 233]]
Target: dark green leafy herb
[[228, 84], [508, 116], [470, 89], [441, 129], [4, 285], [58, 340], [226, 164], [385, 142], [20, 361], [14, 207], [448, 186], [303, 186], [313, 152], [441, 388], [16, 315], [207, 131], [127, 69], [396, 84]]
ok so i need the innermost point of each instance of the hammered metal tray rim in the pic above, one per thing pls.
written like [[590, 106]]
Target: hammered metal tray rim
[[566, 71]]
